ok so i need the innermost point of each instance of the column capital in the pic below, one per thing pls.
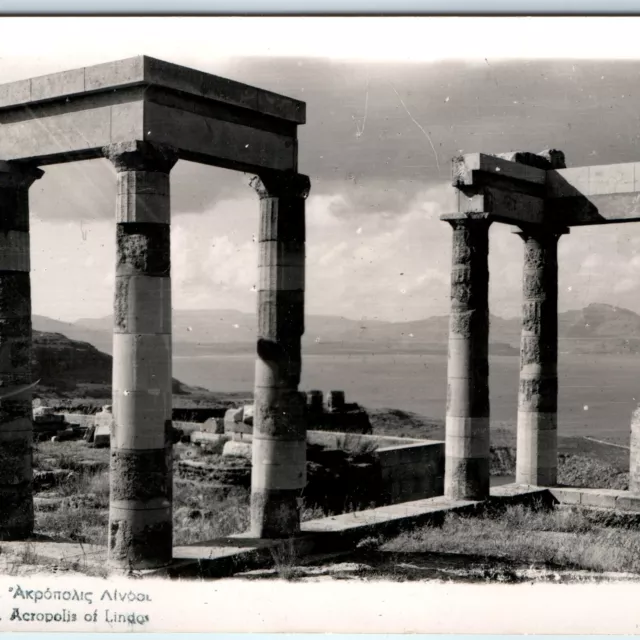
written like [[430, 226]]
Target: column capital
[[542, 232], [139, 155], [18, 175], [281, 184], [461, 220]]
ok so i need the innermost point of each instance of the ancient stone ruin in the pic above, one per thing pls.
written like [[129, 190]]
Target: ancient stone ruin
[[538, 194], [334, 415], [144, 115]]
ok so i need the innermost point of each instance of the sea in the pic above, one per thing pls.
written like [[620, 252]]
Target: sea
[[597, 393]]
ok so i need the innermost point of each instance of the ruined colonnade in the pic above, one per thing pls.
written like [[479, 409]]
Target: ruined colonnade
[[143, 115], [538, 194]]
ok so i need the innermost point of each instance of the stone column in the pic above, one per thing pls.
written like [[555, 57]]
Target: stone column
[[537, 439], [278, 474], [467, 420], [634, 454], [140, 513], [16, 412]]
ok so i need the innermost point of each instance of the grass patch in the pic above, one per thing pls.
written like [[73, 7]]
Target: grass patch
[[202, 511], [67, 455], [564, 537]]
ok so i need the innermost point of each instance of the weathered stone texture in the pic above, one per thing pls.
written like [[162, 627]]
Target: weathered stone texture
[[141, 156], [536, 312], [467, 448], [279, 409], [468, 397], [469, 323], [16, 512], [279, 415], [15, 354], [16, 431], [139, 475], [15, 294], [275, 512], [538, 389], [142, 449], [143, 546], [280, 313], [467, 478], [15, 461], [538, 394], [143, 249]]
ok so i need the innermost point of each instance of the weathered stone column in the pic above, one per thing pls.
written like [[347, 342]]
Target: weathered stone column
[[467, 420], [634, 454], [537, 439], [278, 474], [16, 413], [140, 513]]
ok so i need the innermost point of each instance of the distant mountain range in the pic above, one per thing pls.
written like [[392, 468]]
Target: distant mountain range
[[598, 328]]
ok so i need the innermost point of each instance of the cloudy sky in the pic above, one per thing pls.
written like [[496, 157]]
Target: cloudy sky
[[389, 102]]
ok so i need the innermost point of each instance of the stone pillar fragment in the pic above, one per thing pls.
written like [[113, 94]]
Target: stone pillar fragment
[[16, 412], [278, 474], [140, 509], [467, 419], [537, 438]]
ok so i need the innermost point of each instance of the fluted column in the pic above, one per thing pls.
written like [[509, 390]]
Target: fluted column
[[278, 474], [467, 420], [537, 439], [16, 413], [140, 510]]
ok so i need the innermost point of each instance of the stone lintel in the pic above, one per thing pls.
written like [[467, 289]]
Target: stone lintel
[[145, 71], [73, 115], [508, 166], [534, 189]]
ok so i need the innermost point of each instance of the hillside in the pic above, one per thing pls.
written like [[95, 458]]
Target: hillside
[[70, 367], [600, 328]]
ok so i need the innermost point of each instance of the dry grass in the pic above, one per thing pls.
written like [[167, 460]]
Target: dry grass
[[202, 511], [564, 537], [66, 455], [76, 509]]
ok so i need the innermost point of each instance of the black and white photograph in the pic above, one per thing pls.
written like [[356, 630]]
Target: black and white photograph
[[315, 302]]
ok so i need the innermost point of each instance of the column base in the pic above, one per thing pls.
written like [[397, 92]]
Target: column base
[[16, 512], [275, 513], [140, 539], [466, 478], [537, 477]]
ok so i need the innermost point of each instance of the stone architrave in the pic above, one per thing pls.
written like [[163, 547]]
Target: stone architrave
[[279, 423], [140, 513]]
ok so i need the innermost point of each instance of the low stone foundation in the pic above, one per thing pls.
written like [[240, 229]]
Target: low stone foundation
[[400, 469]]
